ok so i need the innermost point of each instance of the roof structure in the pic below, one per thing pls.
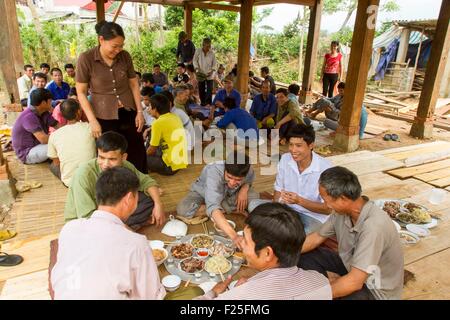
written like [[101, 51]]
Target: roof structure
[[419, 25]]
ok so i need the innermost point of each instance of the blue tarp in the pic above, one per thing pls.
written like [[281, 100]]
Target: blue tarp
[[386, 58]]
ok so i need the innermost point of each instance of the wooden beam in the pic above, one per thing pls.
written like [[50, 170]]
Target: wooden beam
[[311, 52], [118, 11], [188, 20], [179, 3], [309, 3], [245, 34], [100, 10], [423, 123], [214, 6], [7, 60], [347, 134], [16, 44]]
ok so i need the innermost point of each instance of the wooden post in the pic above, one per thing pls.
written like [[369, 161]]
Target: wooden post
[[311, 52], [403, 46], [118, 11], [16, 44], [347, 134], [188, 20], [8, 41], [423, 122], [245, 34], [100, 10]]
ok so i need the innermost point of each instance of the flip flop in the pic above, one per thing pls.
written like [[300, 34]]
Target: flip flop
[[10, 260], [394, 137], [387, 137], [7, 234]]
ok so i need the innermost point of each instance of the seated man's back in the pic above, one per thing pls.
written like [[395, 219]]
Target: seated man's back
[[107, 257]]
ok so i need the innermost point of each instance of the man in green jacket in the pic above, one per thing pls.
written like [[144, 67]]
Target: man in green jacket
[[81, 202]]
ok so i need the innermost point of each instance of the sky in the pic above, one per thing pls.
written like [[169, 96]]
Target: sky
[[409, 10]]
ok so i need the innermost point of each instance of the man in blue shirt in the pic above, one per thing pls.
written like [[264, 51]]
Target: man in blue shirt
[[264, 107], [227, 91], [58, 88], [237, 118]]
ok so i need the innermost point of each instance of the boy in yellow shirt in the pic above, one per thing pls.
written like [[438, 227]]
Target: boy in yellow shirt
[[167, 152]]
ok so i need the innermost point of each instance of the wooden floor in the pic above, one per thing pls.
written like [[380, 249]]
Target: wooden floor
[[37, 216]]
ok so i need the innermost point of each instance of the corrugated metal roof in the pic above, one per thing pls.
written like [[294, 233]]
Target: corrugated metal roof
[[427, 25]]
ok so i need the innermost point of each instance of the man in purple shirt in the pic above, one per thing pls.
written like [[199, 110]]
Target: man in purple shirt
[[30, 132]]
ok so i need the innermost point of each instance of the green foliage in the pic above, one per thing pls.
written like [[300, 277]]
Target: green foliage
[[344, 36], [173, 16]]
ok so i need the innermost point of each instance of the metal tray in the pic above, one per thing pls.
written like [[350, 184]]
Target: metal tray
[[172, 268]]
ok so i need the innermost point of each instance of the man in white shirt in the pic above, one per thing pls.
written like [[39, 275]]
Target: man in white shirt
[[297, 182], [98, 257], [181, 95], [24, 84], [205, 66], [72, 144]]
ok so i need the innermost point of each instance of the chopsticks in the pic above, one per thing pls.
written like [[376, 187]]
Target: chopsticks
[[187, 283], [221, 276], [205, 228]]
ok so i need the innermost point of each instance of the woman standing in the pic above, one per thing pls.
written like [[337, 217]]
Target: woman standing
[[114, 105], [332, 69]]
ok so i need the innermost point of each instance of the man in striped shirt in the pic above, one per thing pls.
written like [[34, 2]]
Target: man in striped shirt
[[273, 238]]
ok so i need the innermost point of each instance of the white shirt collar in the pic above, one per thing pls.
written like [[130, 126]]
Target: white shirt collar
[[313, 167], [107, 216]]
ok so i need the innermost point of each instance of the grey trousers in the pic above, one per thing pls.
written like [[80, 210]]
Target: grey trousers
[[143, 211], [193, 200]]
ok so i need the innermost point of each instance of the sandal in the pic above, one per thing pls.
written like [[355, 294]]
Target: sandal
[[7, 234], [10, 260]]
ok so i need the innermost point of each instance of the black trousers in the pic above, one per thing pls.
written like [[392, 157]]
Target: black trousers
[[329, 81], [323, 260], [126, 126], [205, 90], [143, 211], [156, 164]]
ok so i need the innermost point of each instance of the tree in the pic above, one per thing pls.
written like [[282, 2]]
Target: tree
[[174, 16], [349, 6]]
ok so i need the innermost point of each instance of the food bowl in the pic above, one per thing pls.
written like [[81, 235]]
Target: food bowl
[[160, 255], [171, 282], [219, 231], [221, 249], [202, 241], [193, 270], [202, 253], [156, 244]]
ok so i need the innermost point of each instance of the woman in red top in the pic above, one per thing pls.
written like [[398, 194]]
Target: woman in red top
[[332, 69]]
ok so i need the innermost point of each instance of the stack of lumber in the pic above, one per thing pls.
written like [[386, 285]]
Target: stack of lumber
[[418, 80], [439, 121], [378, 101], [429, 163]]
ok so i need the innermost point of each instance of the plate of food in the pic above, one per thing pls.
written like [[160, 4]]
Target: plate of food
[[182, 251], [391, 207], [218, 264], [202, 241], [160, 255], [408, 237], [191, 265], [415, 216], [221, 249]]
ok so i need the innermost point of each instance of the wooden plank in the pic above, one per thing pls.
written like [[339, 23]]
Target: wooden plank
[[381, 97], [375, 164], [245, 34], [397, 190], [441, 183], [412, 147], [433, 175], [422, 126], [431, 283], [407, 118], [312, 44], [36, 254], [118, 10], [409, 172], [411, 153], [33, 286], [347, 134]]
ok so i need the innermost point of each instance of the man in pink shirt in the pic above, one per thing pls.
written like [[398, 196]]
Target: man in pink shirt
[[99, 257]]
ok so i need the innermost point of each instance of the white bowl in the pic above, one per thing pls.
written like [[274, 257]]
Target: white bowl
[[219, 231], [156, 244], [171, 283], [166, 255]]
